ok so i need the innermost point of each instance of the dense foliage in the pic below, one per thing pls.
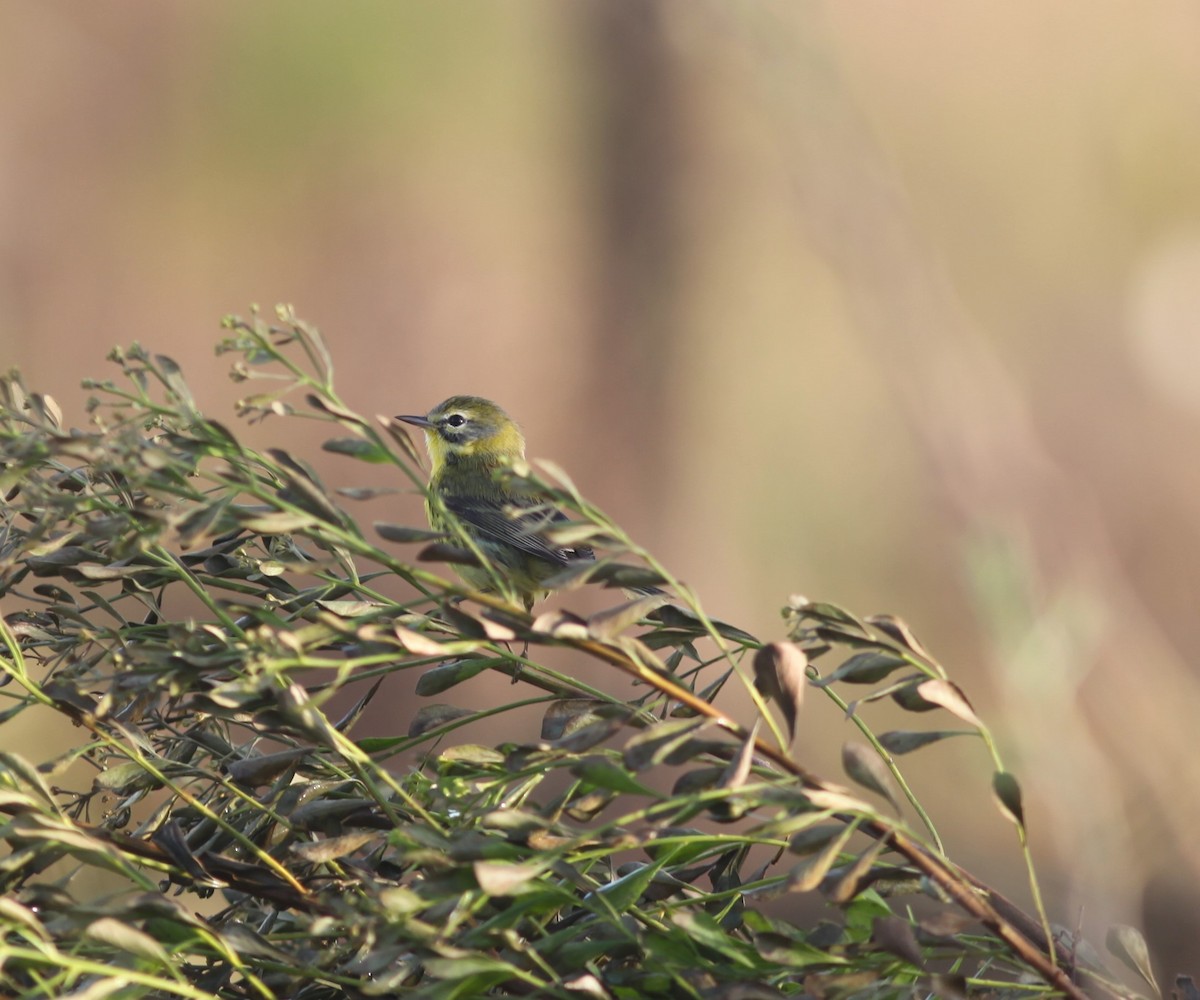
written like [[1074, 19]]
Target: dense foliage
[[213, 622]]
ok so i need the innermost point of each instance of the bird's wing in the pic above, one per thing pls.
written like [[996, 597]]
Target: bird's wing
[[504, 521]]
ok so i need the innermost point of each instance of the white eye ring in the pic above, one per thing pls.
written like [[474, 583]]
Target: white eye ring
[[456, 420]]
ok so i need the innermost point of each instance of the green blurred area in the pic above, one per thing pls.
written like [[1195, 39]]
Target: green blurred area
[[891, 306]]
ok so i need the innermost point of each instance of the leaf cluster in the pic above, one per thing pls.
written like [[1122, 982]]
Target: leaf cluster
[[214, 621]]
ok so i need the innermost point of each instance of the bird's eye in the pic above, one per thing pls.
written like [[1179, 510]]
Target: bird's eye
[[456, 420]]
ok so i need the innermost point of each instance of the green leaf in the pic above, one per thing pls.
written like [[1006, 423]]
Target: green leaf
[[824, 612], [365, 451], [902, 741], [262, 769], [862, 911], [446, 675], [866, 768], [564, 716], [624, 892], [473, 754], [807, 876], [792, 953], [124, 778], [702, 929], [907, 695], [657, 743], [864, 668], [587, 737], [701, 779], [1008, 797], [172, 375], [402, 534], [435, 717], [470, 966], [603, 773], [614, 574]]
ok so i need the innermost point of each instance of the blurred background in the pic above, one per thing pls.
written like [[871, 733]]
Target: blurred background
[[892, 306]]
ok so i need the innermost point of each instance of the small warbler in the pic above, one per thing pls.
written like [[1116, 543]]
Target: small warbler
[[469, 440]]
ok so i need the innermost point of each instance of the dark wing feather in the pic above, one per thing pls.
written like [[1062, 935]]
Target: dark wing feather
[[496, 521]]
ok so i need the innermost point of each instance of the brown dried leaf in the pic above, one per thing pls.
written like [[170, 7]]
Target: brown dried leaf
[[946, 923], [946, 986], [48, 412], [331, 848], [127, 938], [569, 534], [577, 573], [605, 625], [656, 743], [906, 695], [813, 838], [331, 409], [397, 432], [897, 629], [304, 488], [801, 607], [739, 766], [896, 936], [779, 674], [417, 643], [502, 878], [949, 696], [850, 883], [807, 876], [1127, 944], [561, 625]]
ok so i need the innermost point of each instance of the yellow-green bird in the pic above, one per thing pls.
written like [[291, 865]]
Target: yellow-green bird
[[469, 439]]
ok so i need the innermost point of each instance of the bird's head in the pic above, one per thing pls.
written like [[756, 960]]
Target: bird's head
[[469, 427]]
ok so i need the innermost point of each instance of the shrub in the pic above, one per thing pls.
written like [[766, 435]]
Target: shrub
[[214, 622]]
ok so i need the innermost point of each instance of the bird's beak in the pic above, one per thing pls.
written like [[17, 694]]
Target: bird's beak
[[416, 421]]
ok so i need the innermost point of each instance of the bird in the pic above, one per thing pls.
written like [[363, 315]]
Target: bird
[[470, 440]]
